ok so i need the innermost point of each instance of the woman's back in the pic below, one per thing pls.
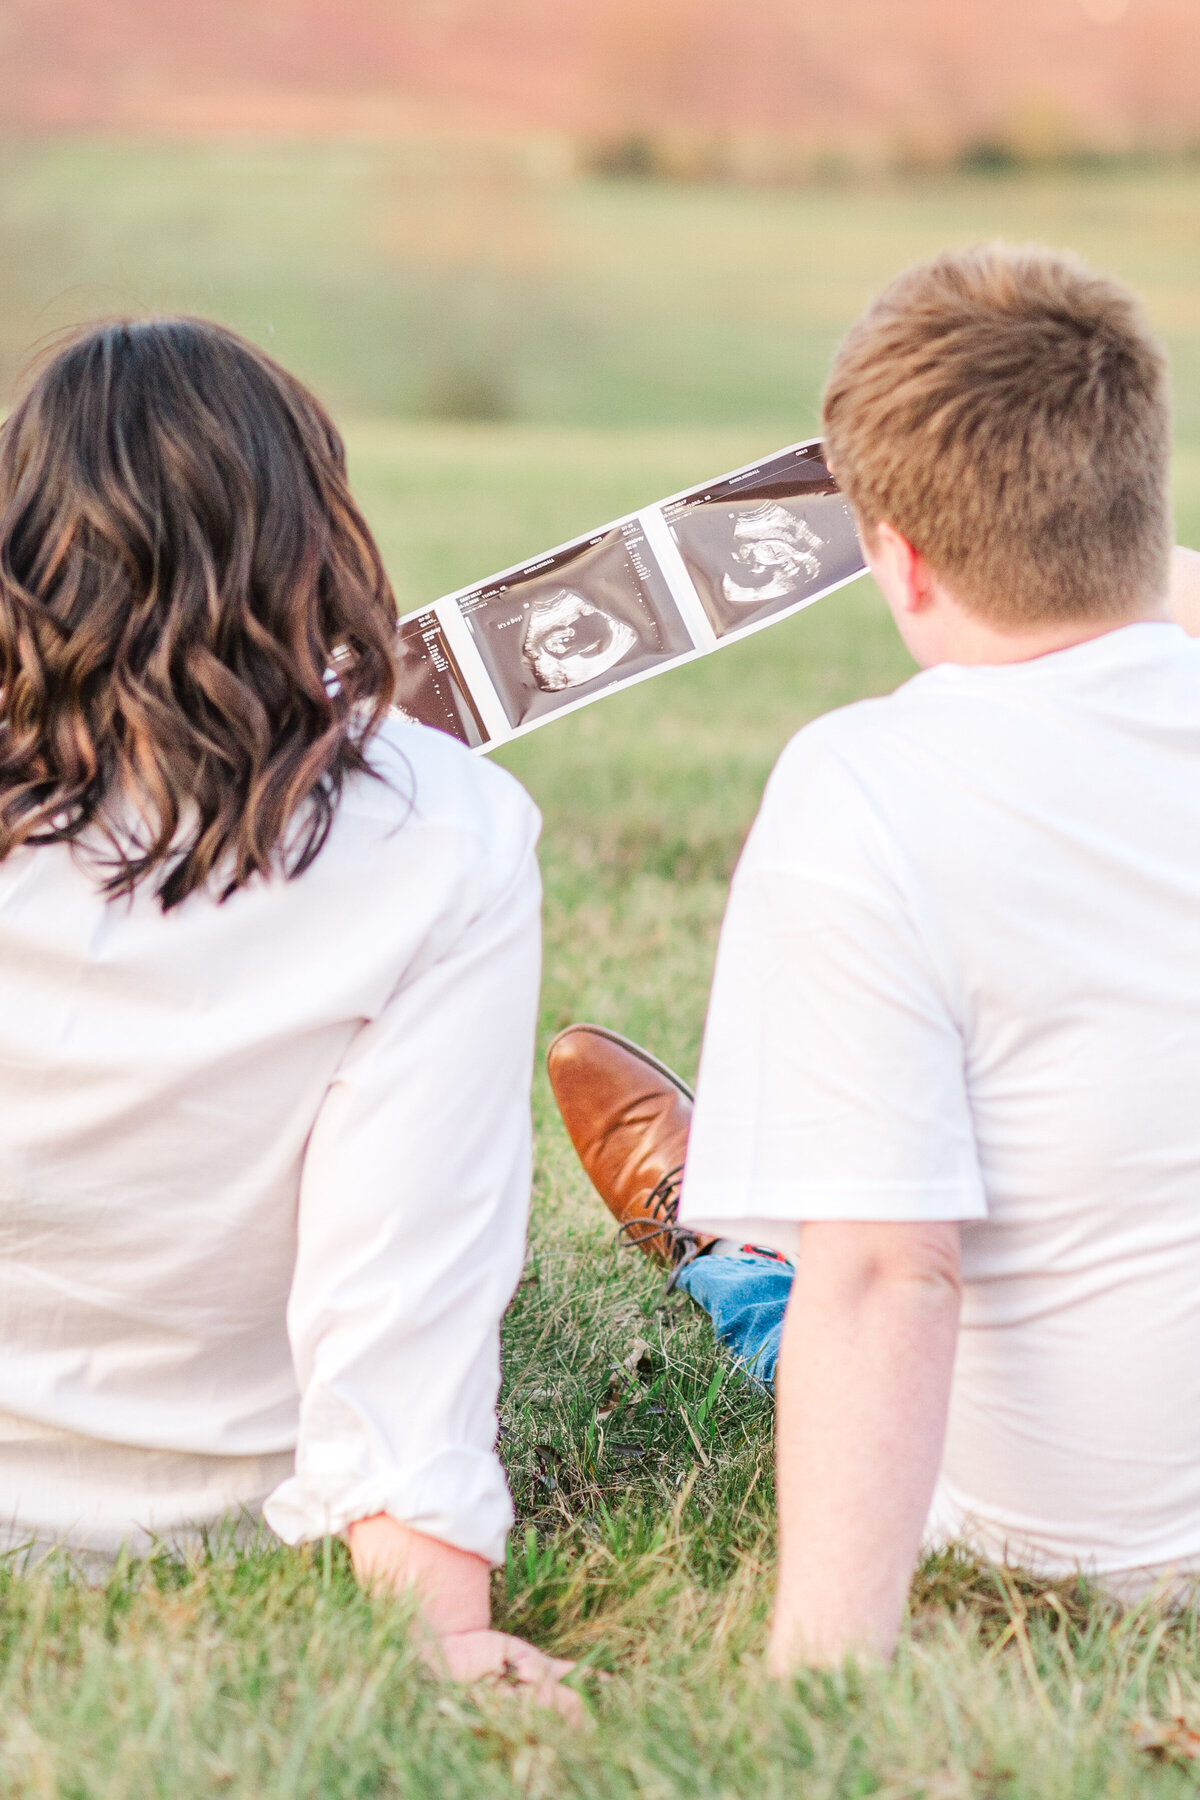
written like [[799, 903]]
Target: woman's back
[[161, 1075], [268, 983]]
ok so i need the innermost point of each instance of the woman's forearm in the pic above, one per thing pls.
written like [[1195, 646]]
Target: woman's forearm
[[863, 1388], [452, 1587]]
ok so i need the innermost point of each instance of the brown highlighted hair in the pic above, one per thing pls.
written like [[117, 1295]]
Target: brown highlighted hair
[[1006, 411], [195, 625]]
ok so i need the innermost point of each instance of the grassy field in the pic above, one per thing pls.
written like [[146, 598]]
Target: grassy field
[[641, 1468], [402, 283]]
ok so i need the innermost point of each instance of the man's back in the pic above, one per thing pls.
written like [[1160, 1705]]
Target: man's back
[[997, 872]]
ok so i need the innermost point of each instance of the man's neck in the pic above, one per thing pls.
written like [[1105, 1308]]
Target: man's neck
[[961, 637], [938, 627]]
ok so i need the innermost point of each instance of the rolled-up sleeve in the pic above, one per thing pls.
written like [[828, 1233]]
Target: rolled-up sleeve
[[413, 1211]]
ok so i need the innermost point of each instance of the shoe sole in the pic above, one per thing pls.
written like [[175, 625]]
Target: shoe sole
[[614, 1037]]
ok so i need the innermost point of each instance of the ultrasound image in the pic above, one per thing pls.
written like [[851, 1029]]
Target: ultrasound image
[[572, 624], [429, 688], [757, 543]]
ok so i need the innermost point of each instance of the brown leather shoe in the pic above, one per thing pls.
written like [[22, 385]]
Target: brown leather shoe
[[628, 1117]]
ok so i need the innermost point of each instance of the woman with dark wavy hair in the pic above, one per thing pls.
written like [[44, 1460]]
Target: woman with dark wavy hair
[[268, 981]]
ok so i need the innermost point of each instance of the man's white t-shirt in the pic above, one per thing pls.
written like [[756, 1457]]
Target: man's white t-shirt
[[959, 979]]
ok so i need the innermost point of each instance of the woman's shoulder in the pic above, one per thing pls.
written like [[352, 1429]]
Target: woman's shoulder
[[425, 779]]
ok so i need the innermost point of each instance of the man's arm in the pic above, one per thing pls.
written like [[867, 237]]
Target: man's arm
[[863, 1389]]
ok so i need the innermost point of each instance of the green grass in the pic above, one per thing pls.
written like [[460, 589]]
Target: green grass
[[641, 1468]]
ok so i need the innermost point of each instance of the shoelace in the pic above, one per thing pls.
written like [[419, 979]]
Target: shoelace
[[659, 1220]]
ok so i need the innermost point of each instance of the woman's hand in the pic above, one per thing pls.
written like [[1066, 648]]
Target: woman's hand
[[452, 1589], [503, 1661]]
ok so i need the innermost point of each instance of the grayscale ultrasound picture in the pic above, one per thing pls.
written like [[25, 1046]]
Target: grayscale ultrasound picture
[[574, 623], [429, 688], [756, 543]]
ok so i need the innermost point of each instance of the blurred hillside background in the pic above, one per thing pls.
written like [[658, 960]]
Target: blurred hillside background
[[753, 87], [587, 212]]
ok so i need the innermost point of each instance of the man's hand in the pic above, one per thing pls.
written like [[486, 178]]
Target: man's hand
[[863, 1389], [451, 1587]]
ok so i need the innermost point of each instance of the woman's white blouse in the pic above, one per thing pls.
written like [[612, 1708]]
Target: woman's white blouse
[[264, 1175]]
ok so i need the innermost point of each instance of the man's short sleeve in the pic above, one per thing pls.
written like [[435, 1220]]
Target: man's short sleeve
[[832, 1081]]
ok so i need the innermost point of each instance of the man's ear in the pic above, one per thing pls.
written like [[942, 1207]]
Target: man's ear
[[900, 570]]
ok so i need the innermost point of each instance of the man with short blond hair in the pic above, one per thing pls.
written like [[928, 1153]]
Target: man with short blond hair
[[950, 1061]]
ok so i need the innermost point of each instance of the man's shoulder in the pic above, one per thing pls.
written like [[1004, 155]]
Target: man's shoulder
[[853, 737], [1135, 679], [845, 784]]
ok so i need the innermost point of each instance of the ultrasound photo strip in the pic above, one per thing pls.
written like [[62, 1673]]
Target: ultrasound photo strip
[[650, 591]]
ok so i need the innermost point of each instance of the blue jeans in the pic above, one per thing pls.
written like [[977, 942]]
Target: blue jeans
[[746, 1297]]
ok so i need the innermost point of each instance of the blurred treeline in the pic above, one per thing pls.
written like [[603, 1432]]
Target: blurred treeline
[[491, 278]]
